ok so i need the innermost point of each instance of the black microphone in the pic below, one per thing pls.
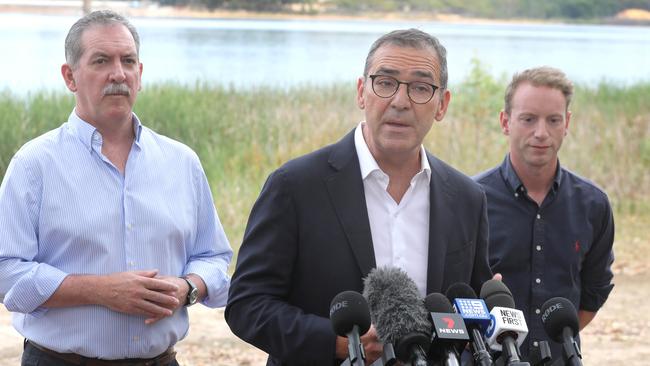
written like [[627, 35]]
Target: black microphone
[[398, 314], [560, 321], [475, 314], [449, 333], [350, 317], [508, 328]]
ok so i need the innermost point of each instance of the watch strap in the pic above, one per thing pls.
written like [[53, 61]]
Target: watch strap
[[192, 294]]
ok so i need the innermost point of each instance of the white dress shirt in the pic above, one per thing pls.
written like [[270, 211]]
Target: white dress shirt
[[400, 232]]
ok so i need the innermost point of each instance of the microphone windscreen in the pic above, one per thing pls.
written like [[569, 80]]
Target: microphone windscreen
[[395, 304], [558, 313], [349, 308], [496, 293], [437, 303], [460, 290]]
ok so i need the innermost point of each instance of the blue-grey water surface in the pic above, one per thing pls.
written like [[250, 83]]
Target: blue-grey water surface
[[249, 53]]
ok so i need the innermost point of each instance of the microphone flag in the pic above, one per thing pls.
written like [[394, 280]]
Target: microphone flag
[[506, 320], [473, 311], [449, 326]]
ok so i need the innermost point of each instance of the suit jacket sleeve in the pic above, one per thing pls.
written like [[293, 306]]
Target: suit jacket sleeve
[[481, 271], [258, 309]]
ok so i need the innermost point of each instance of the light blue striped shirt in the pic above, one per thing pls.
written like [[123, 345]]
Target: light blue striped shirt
[[65, 209]]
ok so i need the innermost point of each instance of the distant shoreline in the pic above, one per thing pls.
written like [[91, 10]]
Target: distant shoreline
[[66, 7]]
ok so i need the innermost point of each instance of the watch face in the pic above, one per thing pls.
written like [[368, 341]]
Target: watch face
[[193, 296]]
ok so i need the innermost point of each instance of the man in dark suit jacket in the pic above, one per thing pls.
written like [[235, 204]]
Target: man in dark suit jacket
[[320, 224]]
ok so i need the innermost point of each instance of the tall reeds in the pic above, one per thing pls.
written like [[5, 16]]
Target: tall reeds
[[242, 135]]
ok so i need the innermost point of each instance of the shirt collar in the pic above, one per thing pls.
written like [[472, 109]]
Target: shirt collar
[[510, 176], [368, 163], [88, 134], [137, 129]]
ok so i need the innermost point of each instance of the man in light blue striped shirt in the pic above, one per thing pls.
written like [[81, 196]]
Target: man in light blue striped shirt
[[108, 231]]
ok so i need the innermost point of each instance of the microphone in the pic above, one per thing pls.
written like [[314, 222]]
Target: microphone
[[397, 312], [350, 318], [475, 314], [560, 321], [449, 333], [507, 329]]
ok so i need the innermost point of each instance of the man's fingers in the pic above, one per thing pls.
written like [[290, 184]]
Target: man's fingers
[[165, 300], [150, 321], [371, 344], [141, 293], [152, 310], [159, 285], [148, 273]]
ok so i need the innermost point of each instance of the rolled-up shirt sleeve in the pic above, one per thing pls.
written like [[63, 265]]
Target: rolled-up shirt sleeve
[[211, 253], [25, 284], [596, 274]]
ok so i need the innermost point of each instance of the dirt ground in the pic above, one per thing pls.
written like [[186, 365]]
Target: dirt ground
[[617, 337], [210, 342]]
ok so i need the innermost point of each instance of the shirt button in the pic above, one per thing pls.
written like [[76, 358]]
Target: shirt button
[[539, 248], [537, 280], [129, 226], [535, 344], [537, 311], [539, 216], [516, 194], [131, 263]]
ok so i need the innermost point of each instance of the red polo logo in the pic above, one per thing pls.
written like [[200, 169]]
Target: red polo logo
[[577, 246]]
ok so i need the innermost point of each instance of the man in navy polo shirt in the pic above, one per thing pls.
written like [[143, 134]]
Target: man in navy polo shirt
[[551, 231]]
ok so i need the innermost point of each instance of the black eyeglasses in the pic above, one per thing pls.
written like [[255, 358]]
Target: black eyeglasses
[[418, 91]]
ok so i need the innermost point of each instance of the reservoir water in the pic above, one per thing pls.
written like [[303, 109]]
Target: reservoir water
[[284, 53]]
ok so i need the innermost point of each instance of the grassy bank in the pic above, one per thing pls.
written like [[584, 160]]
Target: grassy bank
[[243, 135]]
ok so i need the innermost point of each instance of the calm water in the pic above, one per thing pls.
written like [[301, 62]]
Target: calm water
[[289, 52]]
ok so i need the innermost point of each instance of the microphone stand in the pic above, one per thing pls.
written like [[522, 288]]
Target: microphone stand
[[452, 359], [510, 354], [570, 350], [479, 352], [543, 356], [356, 354]]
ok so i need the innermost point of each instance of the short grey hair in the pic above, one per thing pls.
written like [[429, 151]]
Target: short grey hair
[[539, 76], [414, 38], [74, 48]]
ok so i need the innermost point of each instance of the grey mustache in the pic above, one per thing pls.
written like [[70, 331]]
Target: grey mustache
[[116, 89]]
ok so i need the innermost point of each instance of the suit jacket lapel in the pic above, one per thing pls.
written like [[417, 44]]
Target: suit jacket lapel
[[345, 187], [441, 196]]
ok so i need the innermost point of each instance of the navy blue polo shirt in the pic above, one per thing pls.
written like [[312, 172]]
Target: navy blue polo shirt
[[561, 248]]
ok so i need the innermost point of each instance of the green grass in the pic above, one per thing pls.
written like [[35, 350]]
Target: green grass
[[242, 135]]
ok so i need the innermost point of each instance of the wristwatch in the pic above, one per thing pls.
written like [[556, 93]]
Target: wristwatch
[[192, 294]]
